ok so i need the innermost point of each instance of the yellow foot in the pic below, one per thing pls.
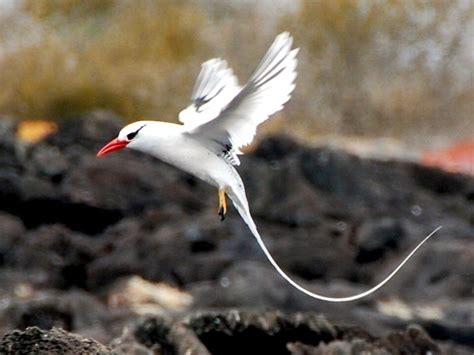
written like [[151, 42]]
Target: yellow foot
[[222, 204]]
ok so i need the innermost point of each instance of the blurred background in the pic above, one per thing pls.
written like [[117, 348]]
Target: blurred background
[[92, 245], [390, 68]]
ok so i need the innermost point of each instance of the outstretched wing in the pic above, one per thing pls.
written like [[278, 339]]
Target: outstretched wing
[[215, 87], [268, 89]]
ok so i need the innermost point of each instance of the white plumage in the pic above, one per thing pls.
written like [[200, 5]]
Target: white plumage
[[266, 92], [215, 87], [222, 118]]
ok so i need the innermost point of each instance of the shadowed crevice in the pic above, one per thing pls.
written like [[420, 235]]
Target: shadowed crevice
[[76, 216]]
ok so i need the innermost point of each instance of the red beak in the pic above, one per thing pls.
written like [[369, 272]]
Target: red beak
[[115, 144]]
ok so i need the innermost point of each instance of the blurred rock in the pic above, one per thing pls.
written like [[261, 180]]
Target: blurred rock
[[88, 131], [74, 227], [438, 272], [236, 288], [61, 254], [335, 172], [375, 238], [49, 161], [441, 182], [276, 148], [110, 183], [144, 297], [9, 152], [459, 157], [7, 131], [12, 227], [47, 309], [35, 130]]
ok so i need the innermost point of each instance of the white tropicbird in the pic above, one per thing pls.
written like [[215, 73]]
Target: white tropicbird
[[222, 118]]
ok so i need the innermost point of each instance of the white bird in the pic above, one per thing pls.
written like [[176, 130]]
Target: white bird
[[222, 118]]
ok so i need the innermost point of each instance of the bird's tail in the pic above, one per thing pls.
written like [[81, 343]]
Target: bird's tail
[[240, 202]]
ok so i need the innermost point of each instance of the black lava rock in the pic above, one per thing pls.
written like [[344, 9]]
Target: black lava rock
[[56, 341]]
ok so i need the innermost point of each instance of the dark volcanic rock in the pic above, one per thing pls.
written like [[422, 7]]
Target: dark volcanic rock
[[61, 254], [48, 342], [362, 184], [236, 288], [234, 332], [442, 182], [111, 184], [89, 131], [167, 337], [245, 332], [276, 148], [12, 230], [71, 225], [439, 271], [258, 333], [412, 341], [57, 309], [375, 238], [9, 147], [49, 161]]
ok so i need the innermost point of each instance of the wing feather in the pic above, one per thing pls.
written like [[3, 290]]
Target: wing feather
[[267, 90], [215, 87]]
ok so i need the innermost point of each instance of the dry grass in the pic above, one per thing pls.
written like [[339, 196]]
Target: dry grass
[[394, 67], [129, 57], [391, 67]]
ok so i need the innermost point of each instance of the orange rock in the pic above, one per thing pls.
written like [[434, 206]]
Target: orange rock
[[32, 131], [457, 158]]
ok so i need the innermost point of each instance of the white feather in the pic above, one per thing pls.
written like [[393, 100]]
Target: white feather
[[268, 89], [209, 150], [215, 87]]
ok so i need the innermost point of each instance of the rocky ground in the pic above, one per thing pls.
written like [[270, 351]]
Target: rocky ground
[[126, 255]]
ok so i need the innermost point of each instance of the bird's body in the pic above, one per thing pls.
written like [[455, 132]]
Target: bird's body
[[222, 118], [170, 143]]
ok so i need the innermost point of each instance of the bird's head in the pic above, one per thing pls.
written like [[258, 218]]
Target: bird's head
[[129, 136]]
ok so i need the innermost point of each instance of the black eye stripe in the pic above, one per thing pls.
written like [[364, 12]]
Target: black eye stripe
[[132, 135]]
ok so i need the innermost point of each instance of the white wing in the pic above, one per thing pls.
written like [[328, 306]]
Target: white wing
[[268, 89], [215, 87]]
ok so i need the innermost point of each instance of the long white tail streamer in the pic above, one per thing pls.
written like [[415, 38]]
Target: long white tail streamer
[[240, 202]]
